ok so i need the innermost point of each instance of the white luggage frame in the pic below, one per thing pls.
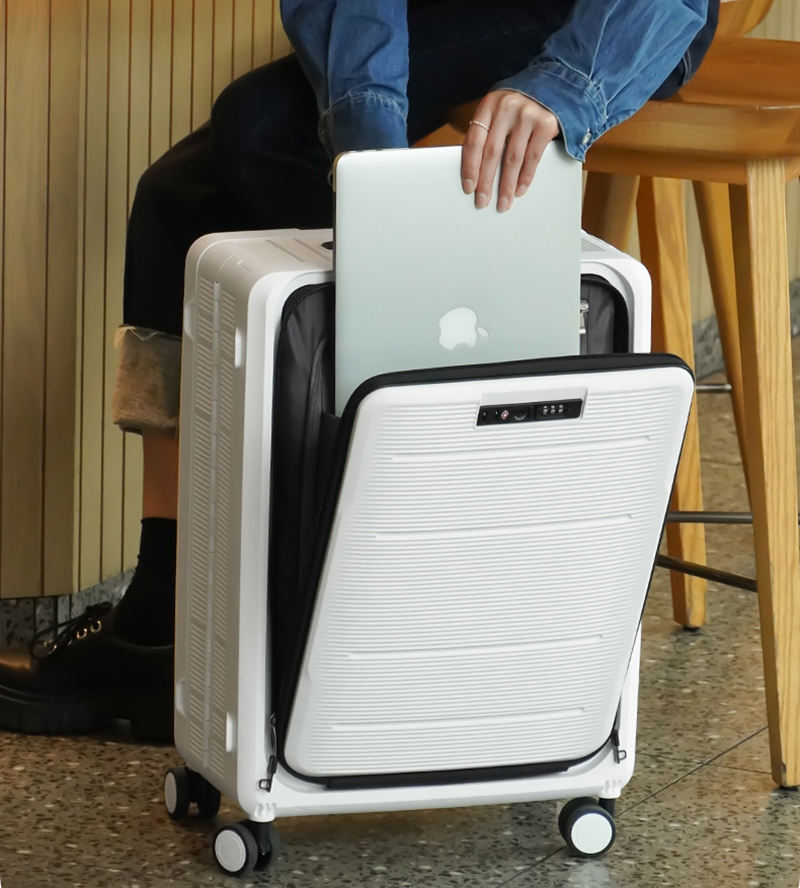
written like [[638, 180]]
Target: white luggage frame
[[236, 287]]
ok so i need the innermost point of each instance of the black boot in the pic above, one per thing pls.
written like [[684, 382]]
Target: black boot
[[80, 675]]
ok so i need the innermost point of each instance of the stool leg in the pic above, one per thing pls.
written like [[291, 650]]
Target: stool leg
[[608, 205], [758, 211], [662, 236], [714, 213]]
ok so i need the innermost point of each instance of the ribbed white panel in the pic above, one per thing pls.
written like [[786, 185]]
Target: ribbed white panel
[[210, 477], [199, 566], [483, 585], [236, 284]]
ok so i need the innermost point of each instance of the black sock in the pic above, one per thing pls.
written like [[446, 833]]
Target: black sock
[[146, 614]]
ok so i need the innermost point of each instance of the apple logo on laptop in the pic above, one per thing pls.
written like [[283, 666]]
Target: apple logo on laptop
[[459, 326]]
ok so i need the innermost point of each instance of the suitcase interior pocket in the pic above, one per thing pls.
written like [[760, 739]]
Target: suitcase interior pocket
[[604, 322]]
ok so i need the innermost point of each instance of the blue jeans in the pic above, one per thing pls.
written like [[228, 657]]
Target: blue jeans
[[259, 164]]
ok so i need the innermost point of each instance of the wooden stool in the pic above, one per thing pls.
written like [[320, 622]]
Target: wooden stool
[[738, 123]]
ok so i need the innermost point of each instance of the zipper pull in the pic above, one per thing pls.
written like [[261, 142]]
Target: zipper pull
[[619, 754], [584, 313]]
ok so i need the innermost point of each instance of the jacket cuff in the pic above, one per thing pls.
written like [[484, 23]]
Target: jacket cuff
[[363, 121], [147, 386], [575, 101]]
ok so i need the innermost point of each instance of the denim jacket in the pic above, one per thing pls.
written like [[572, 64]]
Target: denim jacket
[[599, 68]]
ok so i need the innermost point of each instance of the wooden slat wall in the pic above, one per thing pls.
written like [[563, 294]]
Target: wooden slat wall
[[40, 48], [27, 41], [92, 92], [152, 69]]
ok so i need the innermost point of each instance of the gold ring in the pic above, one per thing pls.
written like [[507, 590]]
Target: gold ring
[[478, 123]]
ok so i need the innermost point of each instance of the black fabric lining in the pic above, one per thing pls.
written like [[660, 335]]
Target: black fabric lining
[[303, 392], [606, 319]]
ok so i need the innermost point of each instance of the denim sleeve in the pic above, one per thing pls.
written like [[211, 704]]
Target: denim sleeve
[[606, 61], [355, 55]]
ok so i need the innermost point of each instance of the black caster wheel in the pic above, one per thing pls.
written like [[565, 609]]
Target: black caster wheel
[[589, 829], [206, 796], [177, 792], [242, 847], [268, 843], [182, 786]]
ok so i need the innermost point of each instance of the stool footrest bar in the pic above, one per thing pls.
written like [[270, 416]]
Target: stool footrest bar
[[708, 517], [713, 388], [737, 581]]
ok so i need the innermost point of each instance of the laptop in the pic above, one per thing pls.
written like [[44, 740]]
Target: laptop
[[424, 279]]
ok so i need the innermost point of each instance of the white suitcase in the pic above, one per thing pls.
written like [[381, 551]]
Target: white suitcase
[[433, 681]]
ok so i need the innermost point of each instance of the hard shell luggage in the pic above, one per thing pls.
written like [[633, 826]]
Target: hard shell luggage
[[433, 600]]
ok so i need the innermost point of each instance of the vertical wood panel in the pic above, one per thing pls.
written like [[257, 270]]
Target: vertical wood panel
[[202, 64], [262, 31], [25, 284], [93, 289], [139, 85], [79, 308], [223, 46], [280, 42], [157, 76], [183, 17], [66, 40], [3, 172], [160, 76], [141, 143], [242, 37], [118, 50]]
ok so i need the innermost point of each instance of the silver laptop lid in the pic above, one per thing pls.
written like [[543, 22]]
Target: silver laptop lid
[[423, 279]]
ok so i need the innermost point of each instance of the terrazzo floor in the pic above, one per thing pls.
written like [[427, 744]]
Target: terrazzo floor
[[700, 811]]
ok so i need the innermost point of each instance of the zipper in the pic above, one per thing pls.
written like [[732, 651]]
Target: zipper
[[272, 763], [619, 754], [584, 314]]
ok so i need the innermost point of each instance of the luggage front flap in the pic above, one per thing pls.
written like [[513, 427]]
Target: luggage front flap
[[465, 598]]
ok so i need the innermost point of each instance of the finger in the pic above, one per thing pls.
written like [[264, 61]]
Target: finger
[[540, 139], [513, 159], [490, 160], [471, 153]]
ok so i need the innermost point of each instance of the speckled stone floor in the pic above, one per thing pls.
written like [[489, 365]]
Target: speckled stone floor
[[701, 809]]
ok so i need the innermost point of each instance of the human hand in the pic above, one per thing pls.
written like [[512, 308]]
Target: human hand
[[509, 126]]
